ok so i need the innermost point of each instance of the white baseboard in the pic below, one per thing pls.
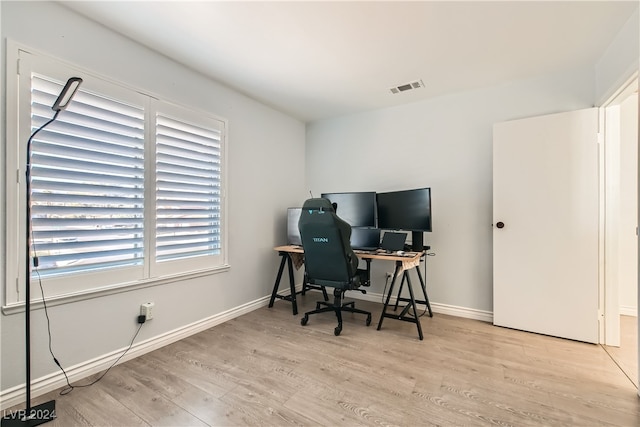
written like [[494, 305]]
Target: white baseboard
[[468, 313], [39, 386], [628, 311], [452, 310]]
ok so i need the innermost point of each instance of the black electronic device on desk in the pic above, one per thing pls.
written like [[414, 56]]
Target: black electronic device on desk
[[408, 210], [365, 239], [357, 208], [393, 242]]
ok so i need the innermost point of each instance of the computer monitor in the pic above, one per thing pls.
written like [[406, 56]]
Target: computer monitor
[[293, 233], [358, 209], [408, 210]]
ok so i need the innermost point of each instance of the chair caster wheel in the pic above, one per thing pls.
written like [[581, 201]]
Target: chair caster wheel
[[337, 331], [368, 320], [317, 306], [304, 320]]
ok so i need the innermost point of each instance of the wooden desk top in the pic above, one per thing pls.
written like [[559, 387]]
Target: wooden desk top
[[294, 249], [407, 258]]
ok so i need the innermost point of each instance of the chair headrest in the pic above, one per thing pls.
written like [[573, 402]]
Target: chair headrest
[[318, 204]]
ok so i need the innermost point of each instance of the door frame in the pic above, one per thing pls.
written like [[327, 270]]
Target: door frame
[[609, 310]]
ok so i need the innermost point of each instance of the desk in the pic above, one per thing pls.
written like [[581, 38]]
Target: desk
[[294, 255]]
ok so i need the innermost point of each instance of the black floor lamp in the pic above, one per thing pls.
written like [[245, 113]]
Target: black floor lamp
[[45, 412]]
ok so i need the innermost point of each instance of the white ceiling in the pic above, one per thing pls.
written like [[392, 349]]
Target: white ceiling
[[316, 60]]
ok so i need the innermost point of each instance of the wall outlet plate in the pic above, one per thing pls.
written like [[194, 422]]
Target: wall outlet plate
[[146, 310]]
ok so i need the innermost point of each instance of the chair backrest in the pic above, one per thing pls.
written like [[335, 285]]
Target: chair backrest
[[329, 259]]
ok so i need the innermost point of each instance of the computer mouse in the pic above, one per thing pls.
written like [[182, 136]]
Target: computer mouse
[[400, 252]]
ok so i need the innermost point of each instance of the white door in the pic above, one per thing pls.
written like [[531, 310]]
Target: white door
[[545, 195]]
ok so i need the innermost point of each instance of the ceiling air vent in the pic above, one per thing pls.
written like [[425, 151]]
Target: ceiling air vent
[[407, 86]]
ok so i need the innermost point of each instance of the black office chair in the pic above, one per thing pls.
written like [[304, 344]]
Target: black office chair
[[328, 258]]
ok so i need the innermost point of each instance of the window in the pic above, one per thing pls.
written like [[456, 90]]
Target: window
[[125, 188]]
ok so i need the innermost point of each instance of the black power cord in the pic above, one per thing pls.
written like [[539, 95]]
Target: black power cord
[[69, 387], [426, 254]]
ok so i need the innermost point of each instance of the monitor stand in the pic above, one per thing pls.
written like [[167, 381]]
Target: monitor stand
[[417, 241]]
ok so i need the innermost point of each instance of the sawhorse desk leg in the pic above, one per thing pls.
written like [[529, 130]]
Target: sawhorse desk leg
[[412, 302], [286, 258], [424, 293]]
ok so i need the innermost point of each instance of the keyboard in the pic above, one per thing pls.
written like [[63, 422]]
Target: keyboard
[[365, 251]]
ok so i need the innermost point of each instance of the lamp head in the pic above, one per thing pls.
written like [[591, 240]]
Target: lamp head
[[67, 93]]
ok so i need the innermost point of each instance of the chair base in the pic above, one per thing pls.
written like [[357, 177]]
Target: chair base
[[337, 307]]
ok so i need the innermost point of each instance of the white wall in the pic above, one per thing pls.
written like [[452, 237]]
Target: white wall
[[446, 144], [265, 150]]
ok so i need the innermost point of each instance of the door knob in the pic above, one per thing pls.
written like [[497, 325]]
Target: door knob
[[500, 224]]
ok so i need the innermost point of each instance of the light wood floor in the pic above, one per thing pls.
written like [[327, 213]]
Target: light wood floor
[[264, 368]]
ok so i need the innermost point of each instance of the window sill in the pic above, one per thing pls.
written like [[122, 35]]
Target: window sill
[[19, 307]]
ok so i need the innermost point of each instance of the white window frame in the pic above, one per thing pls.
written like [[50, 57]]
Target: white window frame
[[22, 60]]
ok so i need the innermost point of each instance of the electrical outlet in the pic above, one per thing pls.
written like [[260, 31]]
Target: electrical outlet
[[146, 310]]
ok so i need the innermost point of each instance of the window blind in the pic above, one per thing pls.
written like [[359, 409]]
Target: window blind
[[188, 189], [87, 182]]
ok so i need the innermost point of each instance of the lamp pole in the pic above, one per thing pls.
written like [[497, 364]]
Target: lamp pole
[[45, 412]]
